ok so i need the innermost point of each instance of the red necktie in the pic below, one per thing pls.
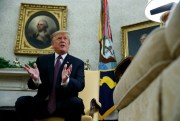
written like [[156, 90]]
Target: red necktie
[[52, 96]]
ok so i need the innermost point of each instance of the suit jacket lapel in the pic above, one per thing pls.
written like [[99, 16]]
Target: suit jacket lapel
[[66, 61], [51, 67]]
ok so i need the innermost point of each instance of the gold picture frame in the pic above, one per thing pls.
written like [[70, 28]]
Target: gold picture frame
[[131, 35], [31, 18]]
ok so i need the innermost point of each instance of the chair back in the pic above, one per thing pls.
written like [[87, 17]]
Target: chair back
[[91, 89]]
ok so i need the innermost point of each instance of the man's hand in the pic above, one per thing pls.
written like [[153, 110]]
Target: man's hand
[[33, 72], [66, 72]]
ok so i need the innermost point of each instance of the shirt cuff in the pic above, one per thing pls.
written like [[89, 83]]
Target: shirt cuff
[[65, 83], [37, 82]]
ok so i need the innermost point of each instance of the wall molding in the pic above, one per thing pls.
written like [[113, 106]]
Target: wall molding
[[13, 79]]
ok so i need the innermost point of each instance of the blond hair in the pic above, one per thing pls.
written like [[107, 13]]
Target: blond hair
[[60, 31]]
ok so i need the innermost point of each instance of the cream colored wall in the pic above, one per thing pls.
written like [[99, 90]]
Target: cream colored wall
[[83, 18]]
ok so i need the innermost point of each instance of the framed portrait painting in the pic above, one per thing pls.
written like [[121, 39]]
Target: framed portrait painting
[[36, 24], [133, 36]]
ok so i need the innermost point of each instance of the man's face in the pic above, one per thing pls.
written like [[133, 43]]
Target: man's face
[[40, 26], [60, 43]]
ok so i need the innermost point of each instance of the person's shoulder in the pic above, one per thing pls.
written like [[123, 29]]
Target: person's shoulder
[[75, 58], [45, 56], [35, 34]]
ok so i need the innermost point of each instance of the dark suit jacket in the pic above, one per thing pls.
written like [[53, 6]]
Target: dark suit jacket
[[76, 83]]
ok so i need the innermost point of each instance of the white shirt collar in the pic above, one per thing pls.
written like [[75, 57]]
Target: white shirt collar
[[63, 56]]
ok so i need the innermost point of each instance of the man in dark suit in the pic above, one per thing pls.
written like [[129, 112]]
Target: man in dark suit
[[64, 92]]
